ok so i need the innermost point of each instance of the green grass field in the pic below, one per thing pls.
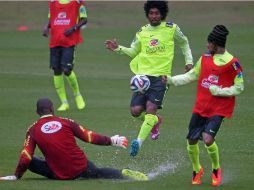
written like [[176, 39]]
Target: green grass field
[[104, 78]]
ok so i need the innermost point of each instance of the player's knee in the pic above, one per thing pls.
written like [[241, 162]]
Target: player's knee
[[208, 139], [67, 71], [135, 112]]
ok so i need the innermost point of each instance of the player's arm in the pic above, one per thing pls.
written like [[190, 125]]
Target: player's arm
[[188, 77], [24, 160], [132, 51], [94, 138], [46, 28], [183, 43], [82, 20], [233, 90]]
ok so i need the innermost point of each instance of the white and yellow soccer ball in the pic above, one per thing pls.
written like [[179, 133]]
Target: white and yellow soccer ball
[[139, 83]]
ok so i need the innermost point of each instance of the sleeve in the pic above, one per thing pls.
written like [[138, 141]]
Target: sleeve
[[233, 90], [89, 136], [183, 43], [25, 156], [134, 49], [188, 77], [82, 11]]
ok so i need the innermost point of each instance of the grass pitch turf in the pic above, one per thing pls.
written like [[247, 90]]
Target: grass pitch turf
[[104, 78]]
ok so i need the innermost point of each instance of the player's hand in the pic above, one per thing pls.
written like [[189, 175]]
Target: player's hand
[[9, 178], [120, 141], [164, 79], [111, 44], [188, 67], [45, 32], [214, 89], [70, 31]]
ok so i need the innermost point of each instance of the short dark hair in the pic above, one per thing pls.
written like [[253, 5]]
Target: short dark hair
[[44, 106], [162, 6]]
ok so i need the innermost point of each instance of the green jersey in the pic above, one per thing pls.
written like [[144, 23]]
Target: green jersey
[[152, 49]]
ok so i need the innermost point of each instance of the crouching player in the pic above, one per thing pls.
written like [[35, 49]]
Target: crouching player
[[64, 160], [220, 79]]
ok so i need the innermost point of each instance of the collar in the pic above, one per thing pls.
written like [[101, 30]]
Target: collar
[[48, 115]]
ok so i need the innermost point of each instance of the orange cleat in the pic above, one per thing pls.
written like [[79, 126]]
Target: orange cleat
[[196, 178], [216, 177]]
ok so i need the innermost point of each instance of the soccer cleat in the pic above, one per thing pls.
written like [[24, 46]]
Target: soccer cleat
[[134, 175], [134, 147], [155, 132], [196, 178], [63, 107], [80, 102], [216, 177]]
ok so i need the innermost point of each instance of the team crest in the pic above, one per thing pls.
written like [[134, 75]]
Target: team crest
[[51, 127]]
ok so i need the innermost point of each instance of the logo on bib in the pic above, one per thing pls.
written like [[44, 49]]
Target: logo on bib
[[212, 79], [51, 127]]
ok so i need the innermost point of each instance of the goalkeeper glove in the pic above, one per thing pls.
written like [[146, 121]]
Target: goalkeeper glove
[[120, 141], [9, 178]]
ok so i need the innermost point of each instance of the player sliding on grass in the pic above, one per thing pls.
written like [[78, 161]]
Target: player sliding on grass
[[66, 17], [64, 160], [220, 79], [152, 53]]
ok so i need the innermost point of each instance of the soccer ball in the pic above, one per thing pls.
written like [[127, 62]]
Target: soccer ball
[[139, 83]]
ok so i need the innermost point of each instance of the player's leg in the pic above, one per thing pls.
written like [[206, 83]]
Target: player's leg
[[211, 129], [67, 65], [39, 166], [156, 94], [109, 173], [195, 131], [138, 103], [55, 64]]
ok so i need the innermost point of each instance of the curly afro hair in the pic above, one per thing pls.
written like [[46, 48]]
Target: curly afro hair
[[162, 6]]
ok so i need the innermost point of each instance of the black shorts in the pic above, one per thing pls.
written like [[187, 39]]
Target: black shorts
[[62, 57], [199, 124], [155, 93]]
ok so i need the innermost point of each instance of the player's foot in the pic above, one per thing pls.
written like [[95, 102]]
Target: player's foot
[[63, 107], [134, 147], [155, 132], [135, 175], [196, 178], [80, 102], [216, 177]]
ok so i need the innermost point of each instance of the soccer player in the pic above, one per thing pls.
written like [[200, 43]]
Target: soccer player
[[152, 52], [66, 17], [220, 79], [64, 160]]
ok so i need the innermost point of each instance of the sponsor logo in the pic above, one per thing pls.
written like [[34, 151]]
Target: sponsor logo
[[62, 15], [155, 49], [236, 65], [62, 19], [207, 82], [51, 127], [154, 42], [211, 131]]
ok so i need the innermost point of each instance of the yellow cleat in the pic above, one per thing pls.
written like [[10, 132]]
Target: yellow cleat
[[80, 102], [134, 175], [63, 107]]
